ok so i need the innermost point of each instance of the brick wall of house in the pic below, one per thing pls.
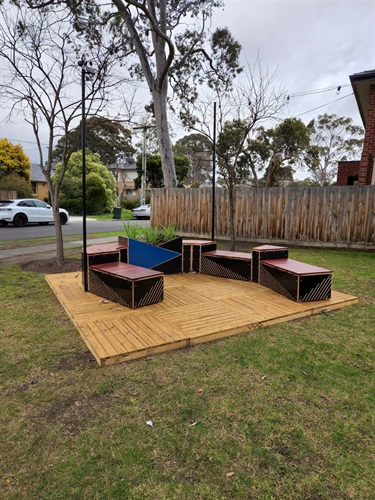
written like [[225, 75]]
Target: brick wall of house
[[41, 191], [347, 172], [368, 153]]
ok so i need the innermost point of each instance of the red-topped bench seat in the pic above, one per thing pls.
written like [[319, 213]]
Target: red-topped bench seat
[[225, 264], [296, 280], [106, 252], [134, 286], [131, 286]]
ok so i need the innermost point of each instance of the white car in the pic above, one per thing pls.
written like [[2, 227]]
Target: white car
[[142, 212], [21, 212]]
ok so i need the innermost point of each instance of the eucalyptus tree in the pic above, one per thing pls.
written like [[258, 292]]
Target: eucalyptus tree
[[41, 83], [175, 48], [332, 138], [109, 138], [154, 172], [257, 99], [274, 152], [198, 149]]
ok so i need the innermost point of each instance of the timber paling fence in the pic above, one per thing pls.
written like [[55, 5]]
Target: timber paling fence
[[7, 195], [329, 216]]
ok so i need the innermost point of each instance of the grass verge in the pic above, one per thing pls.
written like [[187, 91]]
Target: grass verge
[[67, 239], [282, 412], [125, 215]]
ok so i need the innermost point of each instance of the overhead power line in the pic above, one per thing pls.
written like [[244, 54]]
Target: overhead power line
[[319, 91], [326, 104], [26, 142], [289, 96]]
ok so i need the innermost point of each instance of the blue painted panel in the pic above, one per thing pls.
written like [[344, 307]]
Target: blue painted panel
[[149, 256]]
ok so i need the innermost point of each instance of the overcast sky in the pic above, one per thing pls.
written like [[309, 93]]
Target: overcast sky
[[314, 44]]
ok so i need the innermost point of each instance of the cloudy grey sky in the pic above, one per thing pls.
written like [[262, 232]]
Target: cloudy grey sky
[[314, 44]]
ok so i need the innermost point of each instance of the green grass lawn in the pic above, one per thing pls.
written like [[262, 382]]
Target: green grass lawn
[[125, 215], [282, 412]]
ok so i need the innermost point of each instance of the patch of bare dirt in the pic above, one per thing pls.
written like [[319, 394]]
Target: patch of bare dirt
[[50, 266], [72, 415], [75, 361]]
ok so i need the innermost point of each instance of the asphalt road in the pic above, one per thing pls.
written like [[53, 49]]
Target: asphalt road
[[73, 227]]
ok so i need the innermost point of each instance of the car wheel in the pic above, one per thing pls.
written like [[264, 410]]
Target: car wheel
[[20, 220], [3, 223], [63, 219]]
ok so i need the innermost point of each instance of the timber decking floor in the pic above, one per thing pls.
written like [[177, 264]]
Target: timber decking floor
[[196, 308]]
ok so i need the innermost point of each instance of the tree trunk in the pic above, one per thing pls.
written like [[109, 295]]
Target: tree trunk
[[164, 141], [59, 237], [255, 175], [54, 194], [231, 218]]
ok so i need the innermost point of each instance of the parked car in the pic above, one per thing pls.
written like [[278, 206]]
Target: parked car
[[142, 212], [21, 212]]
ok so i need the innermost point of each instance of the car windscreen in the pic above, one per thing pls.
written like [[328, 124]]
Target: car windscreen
[[5, 203]]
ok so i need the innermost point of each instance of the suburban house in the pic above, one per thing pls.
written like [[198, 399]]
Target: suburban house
[[38, 183], [362, 172], [125, 173]]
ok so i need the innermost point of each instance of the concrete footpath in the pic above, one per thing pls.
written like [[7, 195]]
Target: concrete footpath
[[51, 247]]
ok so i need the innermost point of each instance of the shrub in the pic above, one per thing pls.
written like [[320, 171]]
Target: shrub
[[100, 184], [195, 185], [152, 235], [96, 195], [130, 204], [71, 196], [168, 232], [14, 182], [132, 231]]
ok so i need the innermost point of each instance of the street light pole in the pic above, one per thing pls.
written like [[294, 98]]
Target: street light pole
[[84, 71], [144, 167], [213, 217]]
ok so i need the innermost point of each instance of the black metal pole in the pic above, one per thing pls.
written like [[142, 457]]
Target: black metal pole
[[213, 176], [83, 139]]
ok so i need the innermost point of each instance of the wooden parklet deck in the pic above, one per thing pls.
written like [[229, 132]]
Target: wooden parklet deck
[[196, 308]]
